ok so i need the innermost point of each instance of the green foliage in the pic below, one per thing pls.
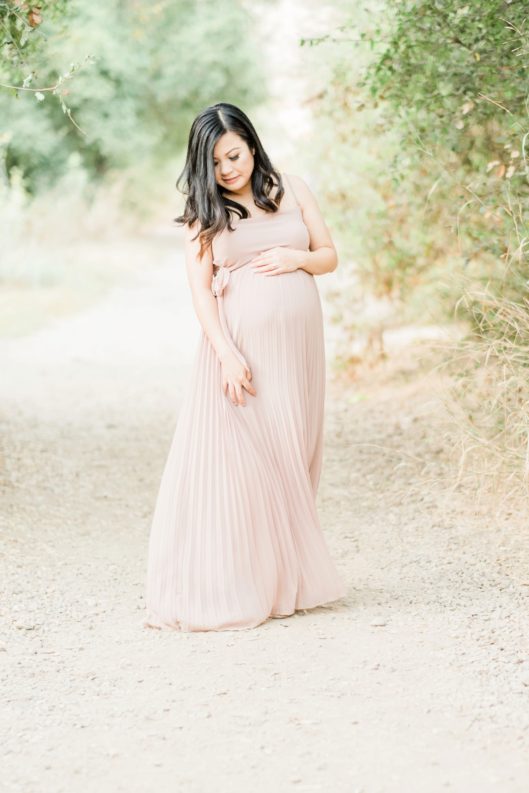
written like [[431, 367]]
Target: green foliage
[[430, 105], [21, 36], [453, 79], [154, 67], [441, 61], [428, 101]]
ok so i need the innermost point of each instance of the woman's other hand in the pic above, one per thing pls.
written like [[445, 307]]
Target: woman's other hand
[[235, 378]]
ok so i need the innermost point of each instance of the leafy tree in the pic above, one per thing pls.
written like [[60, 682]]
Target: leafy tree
[[429, 103], [454, 78], [21, 34], [154, 66]]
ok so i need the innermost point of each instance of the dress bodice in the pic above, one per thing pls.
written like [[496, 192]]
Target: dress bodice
[[251, 236]]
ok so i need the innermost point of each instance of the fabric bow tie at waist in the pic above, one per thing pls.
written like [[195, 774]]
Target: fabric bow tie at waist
[[220, 281], [218, 284]]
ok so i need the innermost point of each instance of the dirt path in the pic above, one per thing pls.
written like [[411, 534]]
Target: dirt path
[[419, 682]]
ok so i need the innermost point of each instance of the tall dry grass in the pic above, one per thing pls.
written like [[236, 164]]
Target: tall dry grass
[[489, 370]]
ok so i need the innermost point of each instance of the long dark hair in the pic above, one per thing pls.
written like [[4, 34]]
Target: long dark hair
[[205, 201]]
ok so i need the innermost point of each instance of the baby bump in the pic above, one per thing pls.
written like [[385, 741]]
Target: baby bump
[[256, 303]]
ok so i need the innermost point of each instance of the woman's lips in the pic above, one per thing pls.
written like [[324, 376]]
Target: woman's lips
[[233, 179]]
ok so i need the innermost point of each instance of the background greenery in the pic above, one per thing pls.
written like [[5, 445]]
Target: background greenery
[[427, 114], [95, 105], [150, 68]]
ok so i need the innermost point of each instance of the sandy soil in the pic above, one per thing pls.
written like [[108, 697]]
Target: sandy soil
[[419, 681]]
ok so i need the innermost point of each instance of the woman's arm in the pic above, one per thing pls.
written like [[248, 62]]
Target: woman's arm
[[199, 274], [322, 256]]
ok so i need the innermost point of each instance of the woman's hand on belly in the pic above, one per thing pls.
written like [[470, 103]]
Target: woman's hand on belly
[[277, 260]]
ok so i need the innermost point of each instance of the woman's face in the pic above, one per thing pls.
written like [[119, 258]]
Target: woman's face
[[233, 161]]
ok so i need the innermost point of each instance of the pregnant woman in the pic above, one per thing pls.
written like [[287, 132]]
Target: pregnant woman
[[235, 537]]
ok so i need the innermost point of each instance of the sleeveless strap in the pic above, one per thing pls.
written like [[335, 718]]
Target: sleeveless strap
[[291, 189]]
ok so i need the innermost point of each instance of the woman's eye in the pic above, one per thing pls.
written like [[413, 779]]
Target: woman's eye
[[236, 157]]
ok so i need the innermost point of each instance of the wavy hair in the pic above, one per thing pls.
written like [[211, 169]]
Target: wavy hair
[[205, 202]]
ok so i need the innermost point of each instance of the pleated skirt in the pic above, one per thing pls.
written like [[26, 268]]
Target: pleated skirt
[[235, 536]]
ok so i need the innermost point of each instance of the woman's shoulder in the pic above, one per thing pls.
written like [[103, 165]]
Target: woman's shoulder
[[298, 186], [295, 180]]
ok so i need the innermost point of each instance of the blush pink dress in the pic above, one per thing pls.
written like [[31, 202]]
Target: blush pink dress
[[235, 537]]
